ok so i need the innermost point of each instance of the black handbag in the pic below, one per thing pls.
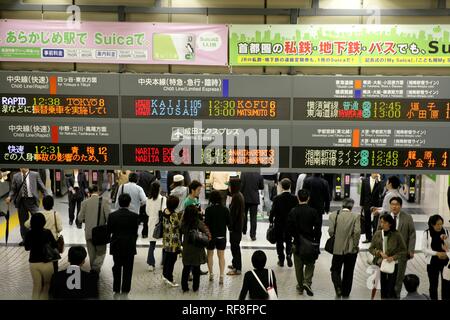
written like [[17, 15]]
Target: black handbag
[[158, 231], [270, 234], [50, 254], [329, 245], [198, 238], [307, 248], [100, 235]]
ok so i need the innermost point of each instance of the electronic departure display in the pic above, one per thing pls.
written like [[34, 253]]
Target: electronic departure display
[[166, 155], [372, 109], [60, 154], [39, 105], [136, 120], [256, 108], [370, 158]]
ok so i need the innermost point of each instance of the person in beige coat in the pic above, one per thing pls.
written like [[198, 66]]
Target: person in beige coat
[[387, 243], [89, 215], [52, 217], [403, 222], [346, 228]]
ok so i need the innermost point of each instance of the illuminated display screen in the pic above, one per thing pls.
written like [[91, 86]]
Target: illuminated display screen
[[164, 155], [206, 108], [372, 109], [370, 158], [63, 153], [38, 105]]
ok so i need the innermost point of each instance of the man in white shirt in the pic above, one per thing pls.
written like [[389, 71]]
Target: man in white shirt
[[136, 193], [392, 185], [219, 180], [77, 186]]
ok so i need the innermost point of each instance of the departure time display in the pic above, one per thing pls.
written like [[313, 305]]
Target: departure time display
[[165, 155], [372, 109], [62, 153], [370, 158], [206, 108], [59, 106]]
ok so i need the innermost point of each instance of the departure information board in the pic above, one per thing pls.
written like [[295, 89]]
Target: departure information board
[[371, 158], [45, 105], [364, 123], [209, 108], [59, 119], [238, 122], [206, 121]]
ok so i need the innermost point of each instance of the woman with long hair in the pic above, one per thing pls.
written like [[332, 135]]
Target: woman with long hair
[[388, 244], [435, 246], [41, 267], [155, 203], [217, 218], [171, 239], [237, 211], [193, 256]]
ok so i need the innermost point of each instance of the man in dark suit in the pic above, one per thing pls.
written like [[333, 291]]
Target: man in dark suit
[[74, 283], [292, 176], [24, 192], [123, 228], [305, 221], [251, 183], [77, 186], [282, 205], [145, 180], [371, 190], [319, 193]]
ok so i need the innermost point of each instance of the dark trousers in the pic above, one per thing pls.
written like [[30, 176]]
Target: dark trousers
[[163, 256], [368, 223], [235, 240], [74, 201], [143, 217], [343, 284], [185, 277], [169, 263], [253, 208], [125, 264], [26, 206], [375, 224], [387, 282], [282, 239], [434, 270], [151, 254]]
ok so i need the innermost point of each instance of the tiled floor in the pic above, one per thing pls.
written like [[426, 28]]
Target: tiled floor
[[16, 279], [16, 283]]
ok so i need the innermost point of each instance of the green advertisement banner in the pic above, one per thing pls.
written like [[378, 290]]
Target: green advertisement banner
[[340, 45]]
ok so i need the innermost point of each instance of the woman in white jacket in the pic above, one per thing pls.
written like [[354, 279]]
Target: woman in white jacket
[[155, 203], [435, 246]]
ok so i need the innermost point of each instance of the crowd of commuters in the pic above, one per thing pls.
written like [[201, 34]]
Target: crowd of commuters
[[296, 211]]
